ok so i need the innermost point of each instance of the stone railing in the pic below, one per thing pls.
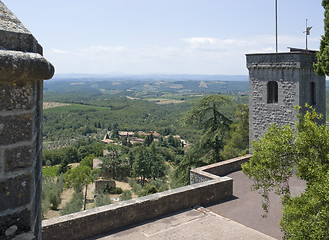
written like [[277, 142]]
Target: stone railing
[[209, 189]]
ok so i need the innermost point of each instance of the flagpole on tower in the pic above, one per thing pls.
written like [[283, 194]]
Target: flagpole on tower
[[307, 32], [276, 25]]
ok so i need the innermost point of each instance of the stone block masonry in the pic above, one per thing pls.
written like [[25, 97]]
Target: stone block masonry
[[297, 84], [22, 70]]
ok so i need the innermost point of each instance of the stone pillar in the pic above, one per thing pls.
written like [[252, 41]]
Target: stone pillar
[[277, 83], [22, 70]]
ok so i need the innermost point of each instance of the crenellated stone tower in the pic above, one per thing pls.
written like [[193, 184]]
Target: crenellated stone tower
[[277, 83], [22, 70]]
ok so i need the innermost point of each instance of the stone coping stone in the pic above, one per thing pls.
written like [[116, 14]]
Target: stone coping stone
[[23, 66], [223, 168]]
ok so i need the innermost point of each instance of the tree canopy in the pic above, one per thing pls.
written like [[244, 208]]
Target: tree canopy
[[304, 151], [208, 115]]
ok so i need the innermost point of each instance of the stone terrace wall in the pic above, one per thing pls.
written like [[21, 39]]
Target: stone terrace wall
[[212, 171], [116, 216], [22, 69], [210, 188]]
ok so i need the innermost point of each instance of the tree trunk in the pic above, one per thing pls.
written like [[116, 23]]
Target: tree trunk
[[85, 202]]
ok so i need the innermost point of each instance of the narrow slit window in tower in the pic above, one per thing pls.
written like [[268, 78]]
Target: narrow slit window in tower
[[272, 92], [313, 94]]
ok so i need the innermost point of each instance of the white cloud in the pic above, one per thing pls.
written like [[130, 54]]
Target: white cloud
[[215, 44], [59, 51], [197, 55]]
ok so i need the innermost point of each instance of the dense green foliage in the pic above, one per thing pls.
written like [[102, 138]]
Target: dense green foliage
[[304, 151], [115, 165], [78, 177], [322, 65], [50, 171], [96, 106], [237, 142], [148, 163], [79, 120]]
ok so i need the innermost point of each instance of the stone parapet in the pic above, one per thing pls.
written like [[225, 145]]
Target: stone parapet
[[217, 170], [296, 60], [113, 217]]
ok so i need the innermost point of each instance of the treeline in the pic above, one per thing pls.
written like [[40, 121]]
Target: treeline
[[87, 117]]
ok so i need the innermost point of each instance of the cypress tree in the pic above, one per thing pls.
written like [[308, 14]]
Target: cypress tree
[[322, 66]]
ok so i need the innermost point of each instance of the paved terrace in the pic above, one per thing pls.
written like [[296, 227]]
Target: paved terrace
[[237, 218]]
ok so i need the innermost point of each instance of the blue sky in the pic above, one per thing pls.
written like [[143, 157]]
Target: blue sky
[[165, 36]]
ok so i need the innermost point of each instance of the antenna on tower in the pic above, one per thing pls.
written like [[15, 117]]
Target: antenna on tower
[[307, 32]]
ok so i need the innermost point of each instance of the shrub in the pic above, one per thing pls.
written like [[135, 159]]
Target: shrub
[[149, 189], [116, 190], [50, 171], [51, 193], [54, 196], [161, 185], [126, 195], [102, 199], [74, 205], [136, 188]]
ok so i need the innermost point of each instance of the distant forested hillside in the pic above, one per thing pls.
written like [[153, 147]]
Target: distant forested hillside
[[117, 85], [94, 107]]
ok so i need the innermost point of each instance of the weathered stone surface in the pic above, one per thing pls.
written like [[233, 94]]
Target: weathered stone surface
[[36, 212], [22, 71], [13, 34], [18, 158], [293, 73], [15, 129], [14, 224], [16, 96], [22, 66], [15, 192], [9, 22]]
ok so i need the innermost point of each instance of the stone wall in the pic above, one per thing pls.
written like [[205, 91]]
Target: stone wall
[[100, 185], [22, 69], [217, 170], [116, 216], [294, 73]]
